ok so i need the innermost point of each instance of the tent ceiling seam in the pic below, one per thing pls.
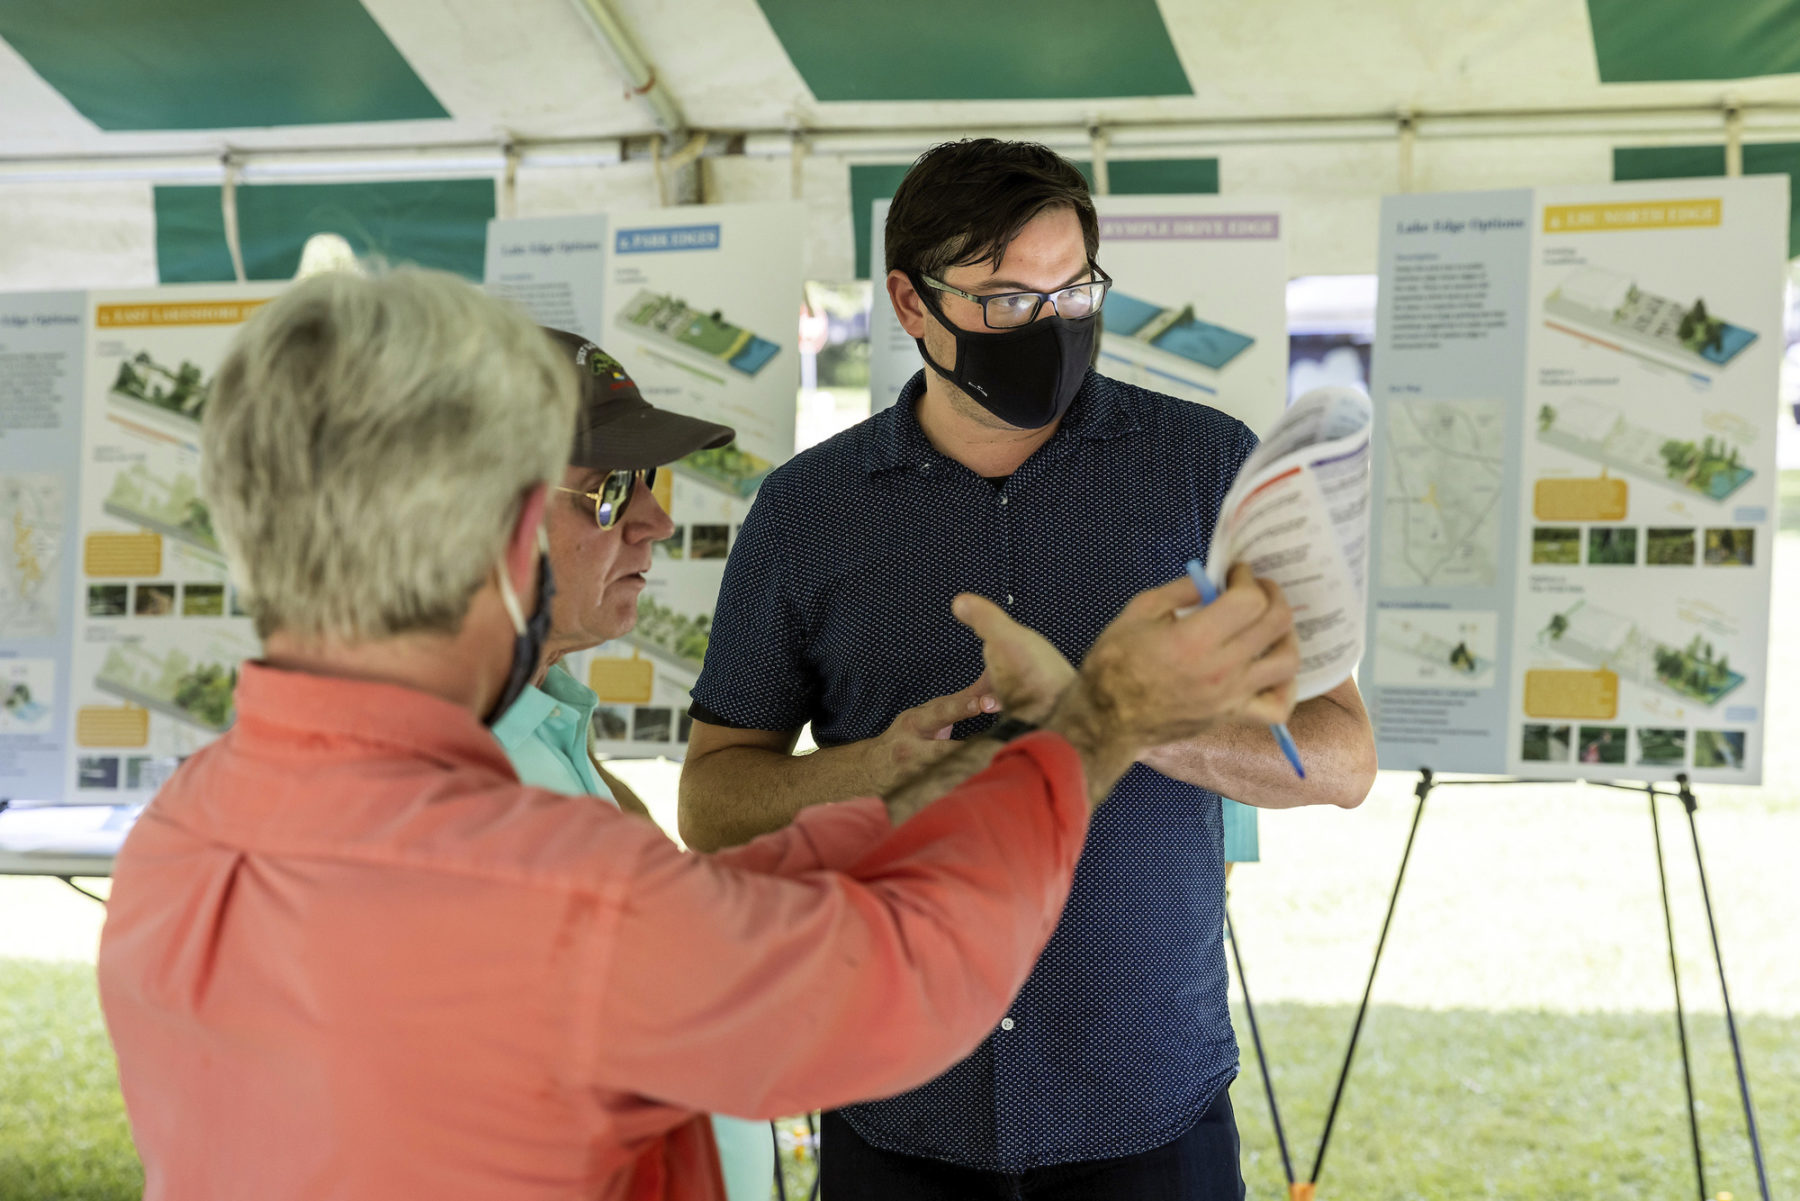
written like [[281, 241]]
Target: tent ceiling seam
[[1124, 141]]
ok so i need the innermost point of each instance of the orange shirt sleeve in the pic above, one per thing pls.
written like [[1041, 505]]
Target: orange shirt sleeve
[[822, 836], [760, 993]]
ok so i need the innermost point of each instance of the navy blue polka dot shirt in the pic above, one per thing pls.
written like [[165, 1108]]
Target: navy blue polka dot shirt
[[835, 610]]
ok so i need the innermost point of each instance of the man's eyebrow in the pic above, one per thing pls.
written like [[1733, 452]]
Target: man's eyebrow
[[1013, 285]]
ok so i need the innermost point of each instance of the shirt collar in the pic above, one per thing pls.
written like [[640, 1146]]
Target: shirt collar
[[284, 706], [896, 440], [539, 702], [562, 685], [523, 717]]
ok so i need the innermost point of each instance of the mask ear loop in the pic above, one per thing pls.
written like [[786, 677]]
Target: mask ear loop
[[514, 610]]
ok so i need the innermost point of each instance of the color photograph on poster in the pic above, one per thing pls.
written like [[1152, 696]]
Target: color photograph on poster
[[1607, 490]]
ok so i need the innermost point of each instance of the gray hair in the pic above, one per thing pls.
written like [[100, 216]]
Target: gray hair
[[366, 447]]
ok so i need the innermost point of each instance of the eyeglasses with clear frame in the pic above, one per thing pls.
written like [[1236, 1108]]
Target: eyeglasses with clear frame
[[1010, 310], [615, 494]]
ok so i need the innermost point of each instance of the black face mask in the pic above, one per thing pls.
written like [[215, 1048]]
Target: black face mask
[[528, 644], [1027, 377]]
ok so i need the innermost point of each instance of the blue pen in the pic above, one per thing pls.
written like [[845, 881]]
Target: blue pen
[[1210, 593]]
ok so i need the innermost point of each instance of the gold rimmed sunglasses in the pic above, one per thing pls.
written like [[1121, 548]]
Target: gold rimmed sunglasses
[[615, 493]]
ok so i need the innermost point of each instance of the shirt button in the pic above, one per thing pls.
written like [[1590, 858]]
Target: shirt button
[[556, 712], [1006, 1023], [1009, 598], [1003, 498]]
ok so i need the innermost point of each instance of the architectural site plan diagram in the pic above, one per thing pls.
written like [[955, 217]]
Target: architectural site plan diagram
[[731, 469], [172, 506], [173, 683], [673, 323], [1447, 648], [1176, 331], [1440, 522], [1710, 468], [1693, 672], [145, 386], [1608, 308]]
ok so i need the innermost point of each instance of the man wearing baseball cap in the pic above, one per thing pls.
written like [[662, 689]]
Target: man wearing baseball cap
[[601, 521]]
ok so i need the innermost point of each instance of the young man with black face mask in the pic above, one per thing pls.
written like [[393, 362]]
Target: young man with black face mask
[[1011, 469]]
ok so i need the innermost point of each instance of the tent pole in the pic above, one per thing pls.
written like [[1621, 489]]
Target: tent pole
[[639, 71], [1409, 135], [1734, 137]]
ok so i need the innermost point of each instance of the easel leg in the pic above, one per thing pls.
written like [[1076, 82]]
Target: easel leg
[[1262, 1061], [1687, 1072], [1304, 1191], [1689, 803]]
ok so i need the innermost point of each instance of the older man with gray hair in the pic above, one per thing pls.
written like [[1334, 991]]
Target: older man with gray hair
[[348, 954]]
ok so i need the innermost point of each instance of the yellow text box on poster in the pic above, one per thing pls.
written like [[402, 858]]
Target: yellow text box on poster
[[102, 725], [1601, 498], [1579, 694], [622, 681], [122, 555], [197, 312], [1632, 214]]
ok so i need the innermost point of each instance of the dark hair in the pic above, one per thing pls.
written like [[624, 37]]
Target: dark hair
[[963, 202]]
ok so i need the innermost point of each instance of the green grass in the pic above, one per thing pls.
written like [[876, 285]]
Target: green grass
[[1440, 1104], [1525, 1106], [1463, 1103], [62, 1122]]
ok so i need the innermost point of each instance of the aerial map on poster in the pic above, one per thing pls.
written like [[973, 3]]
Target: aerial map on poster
[[699, 306], [1575, 471]]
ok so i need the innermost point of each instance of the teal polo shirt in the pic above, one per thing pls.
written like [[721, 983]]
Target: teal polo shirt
[[545, 734]]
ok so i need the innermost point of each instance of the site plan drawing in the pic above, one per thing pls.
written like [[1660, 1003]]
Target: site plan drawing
[[1437, 646], [1441, 508], [1596, 301], [674, 323], [172, 507], [1710, 468], [670, 635], [730, 469], [145, 386], [173, 683], [1175, 330], [1589, 634]]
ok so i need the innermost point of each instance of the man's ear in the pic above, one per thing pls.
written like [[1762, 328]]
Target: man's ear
[[907, 305], [522, 545]]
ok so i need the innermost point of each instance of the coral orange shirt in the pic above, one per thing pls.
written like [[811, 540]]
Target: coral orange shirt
[[348, 955]]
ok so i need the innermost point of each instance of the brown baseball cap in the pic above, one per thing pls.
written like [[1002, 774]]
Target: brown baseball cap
[[615, 427]]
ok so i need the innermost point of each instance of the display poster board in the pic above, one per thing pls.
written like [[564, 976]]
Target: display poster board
[[1198, 307], [701, 306], [122, 636], [1575, 403]]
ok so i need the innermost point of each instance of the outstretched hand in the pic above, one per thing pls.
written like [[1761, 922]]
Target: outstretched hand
[[1027, 673]]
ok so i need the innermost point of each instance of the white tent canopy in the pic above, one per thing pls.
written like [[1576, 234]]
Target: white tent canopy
[[1323, 105]]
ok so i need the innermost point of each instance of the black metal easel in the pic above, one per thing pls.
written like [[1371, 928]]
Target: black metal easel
[[1303, 1190]]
